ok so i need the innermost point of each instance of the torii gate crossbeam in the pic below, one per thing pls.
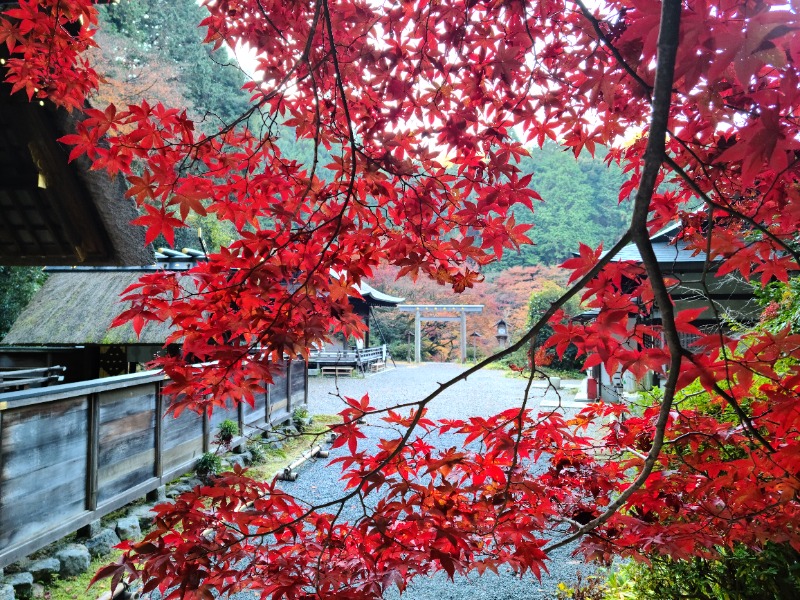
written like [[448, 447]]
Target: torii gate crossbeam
[[433, 312]]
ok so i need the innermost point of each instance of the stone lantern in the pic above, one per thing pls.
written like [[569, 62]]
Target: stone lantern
[[502, 333]]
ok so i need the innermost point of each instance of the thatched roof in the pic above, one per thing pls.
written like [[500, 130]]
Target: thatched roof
[[53, 212], [76, 305], [77, 308]]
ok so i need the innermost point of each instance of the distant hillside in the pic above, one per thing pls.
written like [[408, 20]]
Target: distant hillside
[[580, 205], [167, 30], [153, 50]]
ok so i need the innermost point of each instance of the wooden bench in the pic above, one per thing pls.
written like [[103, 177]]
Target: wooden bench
[[378, 365], [337, 370], [20, 379]]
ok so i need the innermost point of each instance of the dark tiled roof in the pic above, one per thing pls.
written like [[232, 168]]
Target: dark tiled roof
[[666, 253], [670, 255]]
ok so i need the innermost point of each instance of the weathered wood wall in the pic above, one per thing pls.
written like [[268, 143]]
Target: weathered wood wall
[[71, 453]]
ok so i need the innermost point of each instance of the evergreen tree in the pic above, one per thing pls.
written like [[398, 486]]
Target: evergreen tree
[[213, 80], [17, 286]]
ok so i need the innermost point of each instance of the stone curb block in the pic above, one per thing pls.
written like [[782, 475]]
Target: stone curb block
[[102, 543], [45, 569], [128, 528], [75, 559], [22, 584]]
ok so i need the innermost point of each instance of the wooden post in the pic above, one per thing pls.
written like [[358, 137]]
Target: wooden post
[[463, 336], [268, 405], [289, 386], [92, 458], [417, 339], [305, 384], [3, 406], [206, 432], [159, 431]]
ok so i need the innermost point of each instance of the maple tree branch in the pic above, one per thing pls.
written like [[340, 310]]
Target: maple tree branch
[[744, 418], [421, 404], [653, 160], [532, 331], [648, 89], [668, 159], [265, 16], [730, 210]]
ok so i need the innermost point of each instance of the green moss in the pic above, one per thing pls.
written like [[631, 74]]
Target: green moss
[[76, 588], [277, 459]]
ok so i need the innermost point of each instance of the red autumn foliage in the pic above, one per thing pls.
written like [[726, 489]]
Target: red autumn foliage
[[424, 108]]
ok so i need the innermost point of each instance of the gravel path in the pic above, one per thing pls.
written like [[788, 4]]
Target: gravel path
[[484, 393]]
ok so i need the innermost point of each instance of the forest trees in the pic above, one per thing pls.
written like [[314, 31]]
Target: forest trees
[[17, 287], [425, 109], [580, 202]]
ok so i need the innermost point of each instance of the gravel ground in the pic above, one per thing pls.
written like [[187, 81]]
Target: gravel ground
[[484, 393]]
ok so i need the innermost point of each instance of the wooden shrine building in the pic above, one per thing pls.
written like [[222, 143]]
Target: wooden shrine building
[[727, 299]]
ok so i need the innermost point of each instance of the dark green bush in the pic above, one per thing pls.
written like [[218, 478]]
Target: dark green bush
[[772, 573], [538, 304], [257, 452]]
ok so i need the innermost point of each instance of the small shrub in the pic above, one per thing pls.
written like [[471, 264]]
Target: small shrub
[[772, 573], [590, 588], [258, 453], [209, 464], [228, 430], [301, 418]]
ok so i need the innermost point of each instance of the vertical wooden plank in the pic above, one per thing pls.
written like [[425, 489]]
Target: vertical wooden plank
[[289, 407], [93, 432], [182, 439], [127, 448], [268, 405], [158, 470], [206, 432], [305, 383], [463, 340], [44, 480], [417, 338]]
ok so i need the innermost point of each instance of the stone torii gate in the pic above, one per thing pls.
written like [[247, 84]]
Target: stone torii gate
[[440, 312]]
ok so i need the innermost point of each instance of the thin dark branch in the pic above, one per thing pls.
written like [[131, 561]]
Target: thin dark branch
[[613, 49]]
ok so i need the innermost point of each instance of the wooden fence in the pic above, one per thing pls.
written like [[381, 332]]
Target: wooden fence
[[70, 454]]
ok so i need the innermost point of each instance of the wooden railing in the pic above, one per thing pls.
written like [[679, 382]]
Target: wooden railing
[[72, 453], [370, 355], [360, 358]]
